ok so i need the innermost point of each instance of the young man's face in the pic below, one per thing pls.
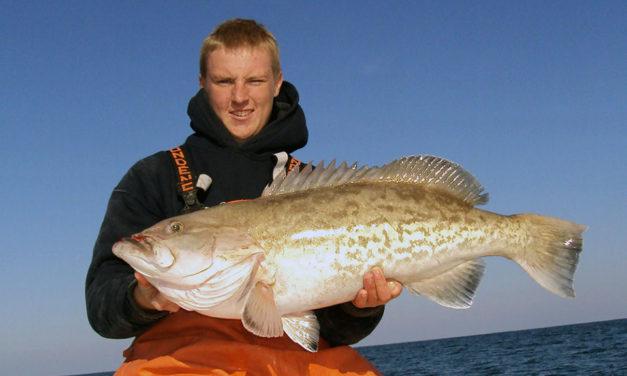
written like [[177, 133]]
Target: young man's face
[[241, 87]]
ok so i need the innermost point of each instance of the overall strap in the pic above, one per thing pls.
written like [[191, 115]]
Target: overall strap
[[293, 163], [284, 164], [187, 182]]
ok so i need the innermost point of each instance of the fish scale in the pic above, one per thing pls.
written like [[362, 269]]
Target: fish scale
[[337, 257]]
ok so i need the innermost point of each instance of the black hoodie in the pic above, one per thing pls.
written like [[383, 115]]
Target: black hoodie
[[147, 194]]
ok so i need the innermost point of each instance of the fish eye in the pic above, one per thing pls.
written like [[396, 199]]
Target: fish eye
[[175, 227]]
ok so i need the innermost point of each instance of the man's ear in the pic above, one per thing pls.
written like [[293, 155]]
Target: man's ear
[[278, 83]]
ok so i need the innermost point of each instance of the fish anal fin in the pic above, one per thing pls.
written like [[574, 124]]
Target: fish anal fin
[[454, 288], [261, 316], [303, 328]]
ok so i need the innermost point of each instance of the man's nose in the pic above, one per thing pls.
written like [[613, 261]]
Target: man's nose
[[239, 93]]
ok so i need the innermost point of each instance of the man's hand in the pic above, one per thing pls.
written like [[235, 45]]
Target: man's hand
[[148, 297], [377, 290]]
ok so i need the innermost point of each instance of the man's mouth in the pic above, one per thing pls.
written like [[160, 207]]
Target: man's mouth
[[243, 113]]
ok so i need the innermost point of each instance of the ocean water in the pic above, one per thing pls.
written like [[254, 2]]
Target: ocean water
[[598, 348]]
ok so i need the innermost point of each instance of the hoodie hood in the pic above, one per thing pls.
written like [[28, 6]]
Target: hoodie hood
[[285, 131]]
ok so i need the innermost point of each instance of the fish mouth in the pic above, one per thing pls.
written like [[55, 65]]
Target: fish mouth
[[138, 248], [134, 241], [145, 242]]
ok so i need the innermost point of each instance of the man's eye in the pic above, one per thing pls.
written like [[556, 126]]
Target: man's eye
[[223, 82]]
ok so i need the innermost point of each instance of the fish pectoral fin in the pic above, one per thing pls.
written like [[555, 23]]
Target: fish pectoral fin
[[221, 286], [303, 328], [261, 316], [454, 288]]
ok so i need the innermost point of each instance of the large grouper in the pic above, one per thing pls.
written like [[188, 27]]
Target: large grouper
[[309, 239]]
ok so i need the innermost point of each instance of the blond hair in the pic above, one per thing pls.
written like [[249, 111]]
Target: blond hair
[[238, 33]]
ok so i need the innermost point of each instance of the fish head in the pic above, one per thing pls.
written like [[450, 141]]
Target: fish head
[[188, 250]]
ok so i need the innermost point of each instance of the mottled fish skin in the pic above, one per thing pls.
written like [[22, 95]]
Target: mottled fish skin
[[308, 241], [325, 240]]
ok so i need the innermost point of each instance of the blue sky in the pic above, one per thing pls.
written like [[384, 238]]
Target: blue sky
[[528, 96]]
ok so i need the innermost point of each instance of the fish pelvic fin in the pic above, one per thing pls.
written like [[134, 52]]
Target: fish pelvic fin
[[432, 172], [303, 328], [552, 253], [454, 288], [261, 316]]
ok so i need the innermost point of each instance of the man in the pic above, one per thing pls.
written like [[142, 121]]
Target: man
[[243, 117]]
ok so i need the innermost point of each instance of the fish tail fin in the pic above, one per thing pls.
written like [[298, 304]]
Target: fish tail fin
[[552, 253]]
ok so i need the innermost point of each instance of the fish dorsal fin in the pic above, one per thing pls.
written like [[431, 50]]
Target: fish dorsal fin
[[432, 172]]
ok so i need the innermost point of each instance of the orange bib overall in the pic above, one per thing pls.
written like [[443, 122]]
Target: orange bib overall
[[187, 343]]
